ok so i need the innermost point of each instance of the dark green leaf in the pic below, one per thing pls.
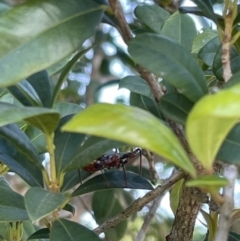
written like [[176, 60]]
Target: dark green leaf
[[234, 80], [17, 152], [113, 179], [70, 208], [12, 207], [181, 28], [68, 24], [152, 15], [136, 100], [39, 234], [25, 94], [217, 62], [40, 202], [43, 86], [137, 85], [133, 126], [67, 108], [169, 60], [230, 149], [63, 230], [176, 107], [207, 53], [232, 236]]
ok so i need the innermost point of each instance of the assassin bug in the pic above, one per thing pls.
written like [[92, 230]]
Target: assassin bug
[[116, 160]]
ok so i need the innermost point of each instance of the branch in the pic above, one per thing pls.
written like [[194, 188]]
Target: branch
[[138, 204], [230, 172], [127, 36]]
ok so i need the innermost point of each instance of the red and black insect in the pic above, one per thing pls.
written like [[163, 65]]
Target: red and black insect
[[115, 160]]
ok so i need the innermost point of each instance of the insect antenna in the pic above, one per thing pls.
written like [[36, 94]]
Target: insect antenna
[[125, 175], [80, 176]]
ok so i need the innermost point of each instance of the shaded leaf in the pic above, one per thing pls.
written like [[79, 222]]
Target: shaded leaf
[[63, 230], [12, 207], [113, 179], [40, 202], [133, 126], [25, 34], [232, 236], [137, 85], [234, 80], [235, 215], [39, 234], [175, 195], [70, 208], [176, 107], [216, 115], [152, 15], [210, 224], [181, 28], [169, 60], [67, 108]]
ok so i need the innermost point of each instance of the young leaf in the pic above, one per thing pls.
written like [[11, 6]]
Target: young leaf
[[133, 126], [40, 202], [12, 207], [33, 50], [152, 15], [181, 28], [113, 179], [175, 195], [210, 121], [63, 230], [169, 60]]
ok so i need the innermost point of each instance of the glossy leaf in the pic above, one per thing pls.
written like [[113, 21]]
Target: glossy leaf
[[25, 94], [181, 28], [152, 15], [17, 152], [169, 60], [202, 39], [63, 230], [137, 85], [175, 107], [25, 34], [216, 115], [133, 126], [113, 179], [40, 202], [67, 108], [39, 234], [12, 207], [41, 83], [207, 53], [65, 72], [217, 62], [230, 149]]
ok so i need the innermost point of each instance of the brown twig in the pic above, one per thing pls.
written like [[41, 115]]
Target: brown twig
[[127, 36], [230, 172], [138, 204]]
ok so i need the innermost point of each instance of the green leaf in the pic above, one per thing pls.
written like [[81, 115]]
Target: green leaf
[[70, 208], [215, 182], [43, 86], [133, 126], [113, 179], [25, 94], [210, 121], [217, 62], [12, 207], [39, 234], [106, 204], [27, 41], [210, 224], [169, 60], [67, 108], [234, 80], [137, 85], [43, 118], [17, 152], [65, 72], [63, 230], [207, 53], [175, 195], [230, 149], [181, 28], [232, 236], [176, 107], [152, 15], [40, 202], [202, 39]]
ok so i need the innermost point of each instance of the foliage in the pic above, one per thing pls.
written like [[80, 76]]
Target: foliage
[[41, 46]]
